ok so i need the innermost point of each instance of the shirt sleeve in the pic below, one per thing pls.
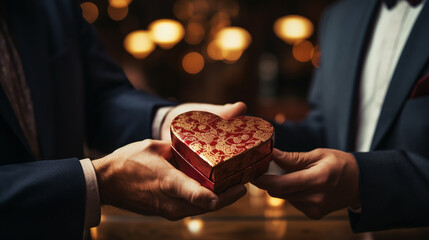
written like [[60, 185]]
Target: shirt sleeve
[[158, 120], [92, 200]]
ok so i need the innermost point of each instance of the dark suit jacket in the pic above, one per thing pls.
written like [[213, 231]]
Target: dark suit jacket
[[394, 175], [79, 95]]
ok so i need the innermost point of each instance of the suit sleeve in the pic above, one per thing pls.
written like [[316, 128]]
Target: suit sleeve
[[117, 113], [29, 210], [310, 133], [393, 186], [306, 135]]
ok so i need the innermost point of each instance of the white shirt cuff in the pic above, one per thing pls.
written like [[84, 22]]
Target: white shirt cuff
[[92, 201], [158, 120]]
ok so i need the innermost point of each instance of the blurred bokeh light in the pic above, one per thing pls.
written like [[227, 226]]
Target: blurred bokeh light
[[139, 44], [194, 33], [194, 225], [119, 3], [193, 63], [232, 41], [293, 28], [233, 38], [303, 51], [89, 11], [166, 32], [216, 51], [275, 202], [213, 51], [117, 14], [183, 9], [279, 118]]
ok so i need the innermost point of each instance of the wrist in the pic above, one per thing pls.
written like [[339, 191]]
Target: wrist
[[103, 173]]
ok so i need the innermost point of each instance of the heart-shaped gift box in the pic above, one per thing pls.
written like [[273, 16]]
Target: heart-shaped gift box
[[220, 153]]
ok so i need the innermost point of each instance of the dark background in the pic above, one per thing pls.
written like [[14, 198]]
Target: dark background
[[282, 96]]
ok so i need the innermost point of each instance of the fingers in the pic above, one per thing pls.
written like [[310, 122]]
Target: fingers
[[278, 186], [294, 161], [231, 195], [178, 185], [175, 209], [233, 110], [179, 208]]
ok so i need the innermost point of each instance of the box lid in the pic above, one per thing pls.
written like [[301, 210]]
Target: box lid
[[218, 147]]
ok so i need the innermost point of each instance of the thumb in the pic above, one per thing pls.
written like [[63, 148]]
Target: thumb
[[292, 161], [178, 185], [234, 110]]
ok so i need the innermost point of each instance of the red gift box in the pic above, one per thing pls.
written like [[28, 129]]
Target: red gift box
[[220, 153]]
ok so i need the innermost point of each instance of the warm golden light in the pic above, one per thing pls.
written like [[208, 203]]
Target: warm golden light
[[232, 41], [275, 202], [231, 7], [201, 7], [233, 38], [276, 224], [231, 56], [194, 33], [194, 225], [89, 11], [293, 28], [183, 9], [279, 118], [166, 32], [213, 51], [119, 3], [193, 63], [139, 44], [219, 21], [94, 233], [254, 191], [117, 14], [302, 51]]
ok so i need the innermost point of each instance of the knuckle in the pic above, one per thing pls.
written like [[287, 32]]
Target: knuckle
[[167, 183], [324, 177], [318, 151], [195, 197], [322, 152], [299, 158], [150, 144]]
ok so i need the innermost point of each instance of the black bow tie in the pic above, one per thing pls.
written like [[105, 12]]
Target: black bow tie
[[391, 3]]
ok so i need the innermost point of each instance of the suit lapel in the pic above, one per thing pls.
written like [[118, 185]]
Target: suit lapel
[[410, 66], [29, 34], [358, 32], [8, 115]]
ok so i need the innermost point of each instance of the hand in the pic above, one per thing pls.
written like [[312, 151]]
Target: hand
[[225, 111], [137, 177], [318, 182]]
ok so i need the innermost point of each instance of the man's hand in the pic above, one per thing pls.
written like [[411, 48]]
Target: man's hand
[[138, 177], [318, 182], [225, 111]]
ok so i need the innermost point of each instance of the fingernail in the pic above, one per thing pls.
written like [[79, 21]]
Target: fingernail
[[213, 203]]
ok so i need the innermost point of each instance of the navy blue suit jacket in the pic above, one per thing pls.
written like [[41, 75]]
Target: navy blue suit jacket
[[394, 174], [79, 95]]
